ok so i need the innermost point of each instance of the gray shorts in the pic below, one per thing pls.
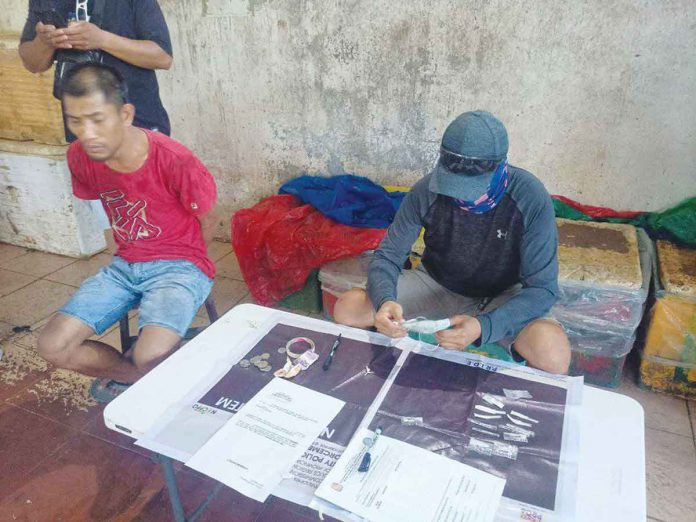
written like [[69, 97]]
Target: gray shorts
[[421, 296]]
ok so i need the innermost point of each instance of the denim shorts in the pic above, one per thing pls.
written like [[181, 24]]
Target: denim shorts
[[169, 294]]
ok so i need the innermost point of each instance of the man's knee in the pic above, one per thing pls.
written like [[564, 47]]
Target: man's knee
[[61, 338], [154, 344], [354, 308], [545, 345], [56, 347]]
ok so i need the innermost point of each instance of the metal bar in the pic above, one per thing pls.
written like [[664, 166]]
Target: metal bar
[[124, 329], [194, 516], [174, 498], [211, 308]]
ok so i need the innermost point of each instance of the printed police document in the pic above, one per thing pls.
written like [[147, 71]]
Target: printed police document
[[406, 483], [257, 447]]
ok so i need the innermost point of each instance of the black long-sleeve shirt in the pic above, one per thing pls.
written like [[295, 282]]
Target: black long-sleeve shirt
[[478, 255]]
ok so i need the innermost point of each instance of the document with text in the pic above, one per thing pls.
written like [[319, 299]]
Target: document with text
[[406, 483], [259, 445]]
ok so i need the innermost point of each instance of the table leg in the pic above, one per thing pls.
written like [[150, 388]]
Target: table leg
[[174, 498]]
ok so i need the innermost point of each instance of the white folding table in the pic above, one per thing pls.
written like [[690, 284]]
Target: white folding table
[[611, 473]]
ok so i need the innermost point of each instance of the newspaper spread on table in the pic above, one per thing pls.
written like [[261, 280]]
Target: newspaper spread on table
[[508, 420]]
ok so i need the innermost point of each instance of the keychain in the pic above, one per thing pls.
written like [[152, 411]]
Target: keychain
[[297, 362]]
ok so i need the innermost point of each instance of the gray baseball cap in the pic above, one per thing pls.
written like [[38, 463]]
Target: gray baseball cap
[[474, 135]]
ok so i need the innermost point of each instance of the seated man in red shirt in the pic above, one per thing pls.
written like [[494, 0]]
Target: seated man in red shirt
[[159, 198]]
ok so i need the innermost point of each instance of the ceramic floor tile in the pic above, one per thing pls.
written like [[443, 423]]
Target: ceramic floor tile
[[27, 440], [248, 299], [19, 368], [662, 412], [87, 479], [29, 337], [8, 252], [62, 396], [34, 302], [5, 330], [11, 281], [75, 273], [671, 475], [219, 249], [37, 263], [98, 429], [228, 266], [228, 505], [227, 293]]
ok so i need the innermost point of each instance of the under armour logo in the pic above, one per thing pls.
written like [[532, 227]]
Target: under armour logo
[[501, 234]]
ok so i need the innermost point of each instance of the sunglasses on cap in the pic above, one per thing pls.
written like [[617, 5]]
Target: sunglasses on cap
[[467, 165]]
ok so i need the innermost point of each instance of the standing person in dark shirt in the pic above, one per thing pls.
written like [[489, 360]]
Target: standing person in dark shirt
[[490, 263], [129, 35]]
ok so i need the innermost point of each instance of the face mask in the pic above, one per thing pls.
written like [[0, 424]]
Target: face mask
[[491, 198]]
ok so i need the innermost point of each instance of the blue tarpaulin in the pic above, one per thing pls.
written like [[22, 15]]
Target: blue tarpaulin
[[350, 200]]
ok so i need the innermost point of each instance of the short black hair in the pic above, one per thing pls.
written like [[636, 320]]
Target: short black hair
[[87, 78], [463, 165]]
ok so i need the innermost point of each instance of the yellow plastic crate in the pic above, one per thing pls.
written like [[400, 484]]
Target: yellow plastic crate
[[672, 331], [667, 376]]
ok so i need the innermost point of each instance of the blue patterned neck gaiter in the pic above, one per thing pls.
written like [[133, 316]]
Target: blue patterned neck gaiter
[[493, 195]]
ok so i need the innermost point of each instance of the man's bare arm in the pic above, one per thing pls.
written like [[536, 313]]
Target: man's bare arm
[[37, 54], [141, 53]]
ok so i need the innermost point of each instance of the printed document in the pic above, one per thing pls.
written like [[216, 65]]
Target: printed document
[[256, 448], [407, 483]]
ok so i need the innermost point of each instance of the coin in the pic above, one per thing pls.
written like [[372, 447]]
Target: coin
[[281, 349], [266, 369], [265, 356], [262, 364], [255, 359], [244, 363]]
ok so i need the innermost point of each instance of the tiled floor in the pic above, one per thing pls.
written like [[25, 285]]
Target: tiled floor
[[59, 462]]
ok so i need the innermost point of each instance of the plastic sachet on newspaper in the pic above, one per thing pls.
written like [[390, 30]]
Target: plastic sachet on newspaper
[[422, 325]]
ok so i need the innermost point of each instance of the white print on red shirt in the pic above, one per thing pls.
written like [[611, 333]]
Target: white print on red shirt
[[129, 220]]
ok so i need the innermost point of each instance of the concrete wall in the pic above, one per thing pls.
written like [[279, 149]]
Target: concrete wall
[[598, 96]]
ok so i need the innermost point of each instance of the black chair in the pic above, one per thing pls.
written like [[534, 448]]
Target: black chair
[[127, 340]]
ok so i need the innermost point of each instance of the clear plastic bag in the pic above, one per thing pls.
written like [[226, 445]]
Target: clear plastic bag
[[659, 374], [672, 331], [603, 319]]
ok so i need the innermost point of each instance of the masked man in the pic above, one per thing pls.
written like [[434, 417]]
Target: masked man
[[490, 262]]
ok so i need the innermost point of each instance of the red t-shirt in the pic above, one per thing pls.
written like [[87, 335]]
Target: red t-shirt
[[153, 210]]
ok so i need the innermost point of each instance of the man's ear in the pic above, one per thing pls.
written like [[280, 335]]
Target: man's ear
[[128, 114]]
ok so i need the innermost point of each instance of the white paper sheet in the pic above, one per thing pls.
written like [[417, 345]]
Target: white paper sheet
[[407, 483], [258, 446]]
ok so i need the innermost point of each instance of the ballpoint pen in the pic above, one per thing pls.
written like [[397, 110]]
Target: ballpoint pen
[[329, 358], [368, 444]]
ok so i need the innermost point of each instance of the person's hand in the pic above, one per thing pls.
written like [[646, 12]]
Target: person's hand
[[466, 330], [388, 319], [52, 37], [85, 36]]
